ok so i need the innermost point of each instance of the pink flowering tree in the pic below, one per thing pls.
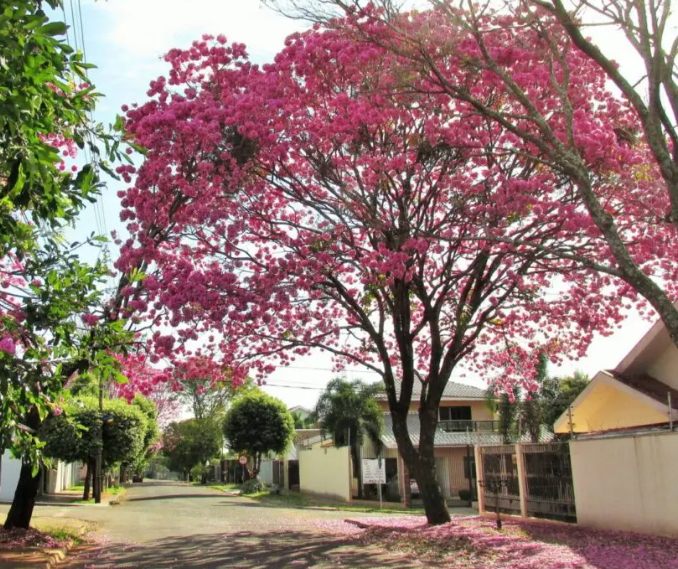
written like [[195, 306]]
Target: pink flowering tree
[[526, 66], [309, 205]]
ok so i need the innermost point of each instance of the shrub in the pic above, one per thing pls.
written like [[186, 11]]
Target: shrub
[[252, 486]]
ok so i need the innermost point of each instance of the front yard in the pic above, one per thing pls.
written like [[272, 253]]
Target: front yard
[[474, 543]]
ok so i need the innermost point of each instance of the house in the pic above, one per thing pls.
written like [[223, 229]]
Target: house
[[303, 411], [641, 392], [465, 420], [624, 450]]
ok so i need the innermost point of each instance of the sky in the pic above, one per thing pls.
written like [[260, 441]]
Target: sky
[[126, 39]]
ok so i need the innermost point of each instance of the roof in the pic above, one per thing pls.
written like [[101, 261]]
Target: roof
[[445, 439], [653, 342], [452, 390], [302, 435], [648, 385]]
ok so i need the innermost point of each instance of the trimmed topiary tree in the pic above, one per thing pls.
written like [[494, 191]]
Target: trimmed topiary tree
[[258, 424], [77, 434]]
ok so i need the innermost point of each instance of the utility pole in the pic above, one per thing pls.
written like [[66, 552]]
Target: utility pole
[[98, 467]]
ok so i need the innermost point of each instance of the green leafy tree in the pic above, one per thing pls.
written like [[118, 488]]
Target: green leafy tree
[[507, 411], [45, 107], [531, 407], [558, 393], [207, 398], [347, 411], [151, 435], [190, 443], [303, 422], [121, 431], [257, 425]]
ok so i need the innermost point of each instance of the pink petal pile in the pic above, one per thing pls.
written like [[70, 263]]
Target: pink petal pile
[[474, 543]]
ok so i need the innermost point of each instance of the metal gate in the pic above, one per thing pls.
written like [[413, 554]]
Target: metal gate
[[548, 481], [500, 478]]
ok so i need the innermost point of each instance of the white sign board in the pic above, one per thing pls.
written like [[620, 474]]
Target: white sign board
[[373, 472]]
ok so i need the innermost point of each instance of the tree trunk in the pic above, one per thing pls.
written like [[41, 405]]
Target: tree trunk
[[20, 513], [421, 462], [95, 481], [434, 501], [88, 478], [357, 470]]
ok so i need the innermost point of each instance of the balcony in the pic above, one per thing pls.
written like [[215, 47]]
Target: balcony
[[459, 426]]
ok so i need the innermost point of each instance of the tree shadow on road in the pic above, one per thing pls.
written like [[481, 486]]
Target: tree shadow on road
[[244, 549]]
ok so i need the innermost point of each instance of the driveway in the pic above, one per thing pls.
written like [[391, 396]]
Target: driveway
[[171, 525]]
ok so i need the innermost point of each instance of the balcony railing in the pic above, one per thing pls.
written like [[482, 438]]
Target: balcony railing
[[470, 426]]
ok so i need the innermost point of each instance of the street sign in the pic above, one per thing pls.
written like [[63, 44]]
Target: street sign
[[243, 459], [374, 471]]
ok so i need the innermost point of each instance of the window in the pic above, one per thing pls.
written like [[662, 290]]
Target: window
[[455, 413]]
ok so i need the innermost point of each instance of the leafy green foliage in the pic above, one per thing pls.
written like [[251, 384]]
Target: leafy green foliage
[[348, 411], [191, 442], [350, 407], [45, 98], [252, 486], [542, 409], [257, 425], [303, 422], [209, 399], [57, 288], [558, 393], [79, 432]]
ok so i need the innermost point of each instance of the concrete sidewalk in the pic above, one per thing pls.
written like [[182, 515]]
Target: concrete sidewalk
[[70, 498]]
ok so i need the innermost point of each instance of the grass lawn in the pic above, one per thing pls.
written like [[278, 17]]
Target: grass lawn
[[112, 491], [296, 500], [475, 543], [223, 487]]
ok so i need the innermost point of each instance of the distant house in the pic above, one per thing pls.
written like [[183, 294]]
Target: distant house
[[283, 471], [635, 394], [303, 411], [465, 420]]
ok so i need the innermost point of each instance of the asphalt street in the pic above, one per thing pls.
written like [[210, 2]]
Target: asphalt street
[[163, 526]]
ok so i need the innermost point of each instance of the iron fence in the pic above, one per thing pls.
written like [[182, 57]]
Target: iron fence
[[548, 481], [500, 478]]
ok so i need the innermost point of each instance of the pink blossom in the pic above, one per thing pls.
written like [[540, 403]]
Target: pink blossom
[[7, 345]]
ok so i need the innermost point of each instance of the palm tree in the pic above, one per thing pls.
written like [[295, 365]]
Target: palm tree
[[347, 411]]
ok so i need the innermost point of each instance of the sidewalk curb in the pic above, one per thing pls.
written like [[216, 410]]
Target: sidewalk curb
[[27, 557]]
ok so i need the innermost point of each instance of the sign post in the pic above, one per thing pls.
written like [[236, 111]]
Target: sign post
[[374, 473], [242, 459]]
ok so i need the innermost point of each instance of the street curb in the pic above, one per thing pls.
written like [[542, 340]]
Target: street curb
[[23, 559]]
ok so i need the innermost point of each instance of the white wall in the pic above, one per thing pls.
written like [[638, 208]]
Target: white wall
[[627, 483], [9, 476], [326, 472], [266, 472], [62, 477]]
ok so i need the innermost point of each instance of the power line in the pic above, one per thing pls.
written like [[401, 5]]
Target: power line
[[330, 369], [293, 387]]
